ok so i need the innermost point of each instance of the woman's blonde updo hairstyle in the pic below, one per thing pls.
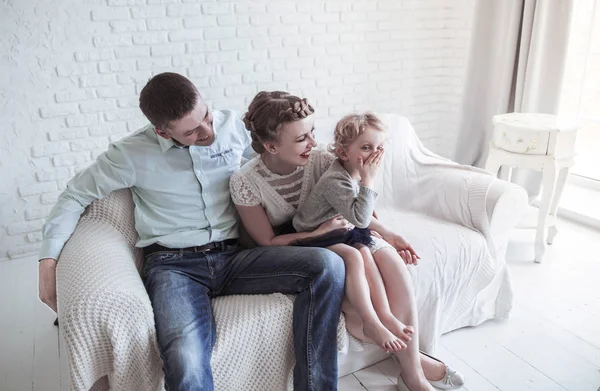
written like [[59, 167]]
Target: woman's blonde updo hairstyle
[[351, 127], [268, 111]]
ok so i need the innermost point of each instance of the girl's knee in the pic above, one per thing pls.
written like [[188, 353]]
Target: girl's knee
[[365, 252], [353, 256]]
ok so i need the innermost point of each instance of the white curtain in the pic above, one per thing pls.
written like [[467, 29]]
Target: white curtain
[[516, 63]]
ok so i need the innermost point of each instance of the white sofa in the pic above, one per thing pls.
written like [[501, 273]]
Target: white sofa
[[457, 218]]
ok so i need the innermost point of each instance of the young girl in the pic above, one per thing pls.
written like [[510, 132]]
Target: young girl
[[346, 189]]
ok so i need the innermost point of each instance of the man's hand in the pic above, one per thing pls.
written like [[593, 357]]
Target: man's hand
[[405, 250], [47, 282]]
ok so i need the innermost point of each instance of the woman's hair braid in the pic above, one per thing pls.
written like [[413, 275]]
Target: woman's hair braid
[[268, 111]]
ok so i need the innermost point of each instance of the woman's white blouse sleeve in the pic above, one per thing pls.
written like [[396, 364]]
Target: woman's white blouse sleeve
[[243, 192]]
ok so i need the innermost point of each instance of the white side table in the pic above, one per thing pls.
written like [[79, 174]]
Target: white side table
[[538, 142]]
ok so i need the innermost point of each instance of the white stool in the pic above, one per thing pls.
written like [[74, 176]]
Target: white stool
[[537, 142]]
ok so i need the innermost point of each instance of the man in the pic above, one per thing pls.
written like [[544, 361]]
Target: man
[[178, 169]]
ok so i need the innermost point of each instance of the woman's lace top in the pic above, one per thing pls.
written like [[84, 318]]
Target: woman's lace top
[[287, 186]]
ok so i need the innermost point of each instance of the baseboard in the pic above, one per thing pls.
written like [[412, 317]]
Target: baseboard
[[573, 216], [579, 218]]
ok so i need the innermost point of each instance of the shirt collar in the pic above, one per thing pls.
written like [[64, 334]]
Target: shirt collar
[[166, 144]]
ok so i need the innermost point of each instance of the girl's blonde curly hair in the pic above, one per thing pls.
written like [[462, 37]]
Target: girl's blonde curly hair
[[268, 111], [351, 127]]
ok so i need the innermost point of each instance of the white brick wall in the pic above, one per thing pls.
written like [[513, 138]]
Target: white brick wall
[[71, 72]]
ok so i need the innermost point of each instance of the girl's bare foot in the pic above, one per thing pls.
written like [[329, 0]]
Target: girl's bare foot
[[398, 328], [385, 339]]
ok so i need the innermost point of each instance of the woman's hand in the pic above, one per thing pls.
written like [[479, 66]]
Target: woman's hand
[[333, 223], [368, 169], [405, 250]]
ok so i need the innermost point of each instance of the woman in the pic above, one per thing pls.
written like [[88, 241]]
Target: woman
[[267, 192]]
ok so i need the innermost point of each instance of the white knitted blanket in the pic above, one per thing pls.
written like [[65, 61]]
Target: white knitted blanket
[[107, 320], [108, 325]]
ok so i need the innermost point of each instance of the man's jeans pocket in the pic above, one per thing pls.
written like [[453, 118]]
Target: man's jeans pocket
[[160, 257]]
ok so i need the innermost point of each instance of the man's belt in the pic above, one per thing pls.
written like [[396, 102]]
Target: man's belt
[[212, 246]]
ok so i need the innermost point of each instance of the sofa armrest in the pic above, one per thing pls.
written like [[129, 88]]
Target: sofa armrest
[[417, 180], [475, 199], [506, 205], [452, 193], [105, 314]]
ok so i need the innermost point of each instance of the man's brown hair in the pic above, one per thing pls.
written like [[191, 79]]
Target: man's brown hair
[[168, 97]]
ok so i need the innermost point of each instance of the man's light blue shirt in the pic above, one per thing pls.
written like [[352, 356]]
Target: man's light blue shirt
[[181, 195]]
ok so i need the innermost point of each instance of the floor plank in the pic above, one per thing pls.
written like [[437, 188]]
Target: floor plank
[[566, 270], [564, 313], [567, 339], [65, 375], [374, 380], [499, 365], [17, 325], [522, 337], [389, 368], [46, 366], [349, 383], [564, 288], [474, 381], [477, 382]]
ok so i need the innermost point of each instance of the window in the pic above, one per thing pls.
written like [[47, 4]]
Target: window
[[580, 96]]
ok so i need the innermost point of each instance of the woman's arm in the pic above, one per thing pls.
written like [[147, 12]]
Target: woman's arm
[[257, 224], [378, 226], [405, 250]]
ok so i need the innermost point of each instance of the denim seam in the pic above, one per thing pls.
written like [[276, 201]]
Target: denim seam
[[166, 375], [210, 333], [309, 335], [210, 261], [274, 274], [164, 368]]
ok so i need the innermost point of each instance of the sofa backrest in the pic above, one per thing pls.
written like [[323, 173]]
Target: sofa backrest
[[397, 172]]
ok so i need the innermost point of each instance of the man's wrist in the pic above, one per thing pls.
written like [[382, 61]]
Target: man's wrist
[[51, 248]]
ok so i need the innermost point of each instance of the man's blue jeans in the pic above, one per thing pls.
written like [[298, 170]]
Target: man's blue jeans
[[181, 285]]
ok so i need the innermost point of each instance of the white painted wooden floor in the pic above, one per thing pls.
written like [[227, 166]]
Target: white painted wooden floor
[[552, 341]]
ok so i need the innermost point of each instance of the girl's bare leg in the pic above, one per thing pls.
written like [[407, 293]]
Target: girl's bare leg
[[380, 299], [357, 291], [400, 293]]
